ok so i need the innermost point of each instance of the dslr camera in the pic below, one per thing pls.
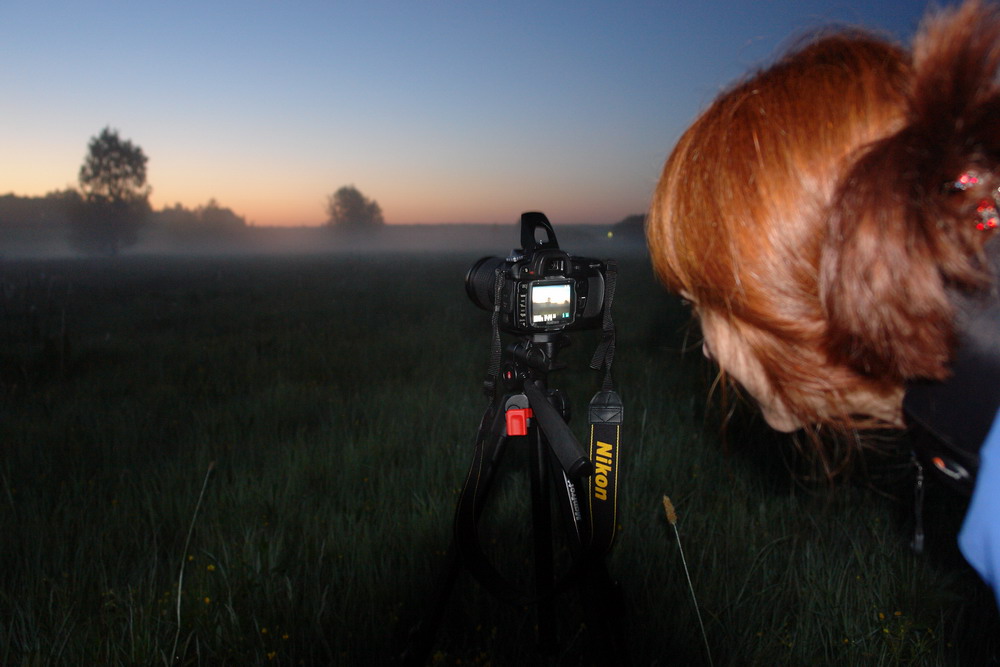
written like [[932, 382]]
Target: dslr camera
[[542, 289]]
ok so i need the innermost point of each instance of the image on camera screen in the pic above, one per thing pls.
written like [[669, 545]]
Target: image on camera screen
[[551, 303]]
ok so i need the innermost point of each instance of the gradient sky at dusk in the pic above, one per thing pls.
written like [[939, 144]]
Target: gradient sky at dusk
[[441, 111]]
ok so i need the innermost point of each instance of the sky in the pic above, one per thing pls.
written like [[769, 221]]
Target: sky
[[441, 111]]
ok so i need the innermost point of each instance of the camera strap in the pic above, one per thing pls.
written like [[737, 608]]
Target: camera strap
[[605, 413], [486, 459], [605, 352], [496, 347], [472, 501]]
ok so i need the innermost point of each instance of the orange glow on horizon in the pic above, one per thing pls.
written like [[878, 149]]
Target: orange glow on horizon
[[299, 209], [299, 198]]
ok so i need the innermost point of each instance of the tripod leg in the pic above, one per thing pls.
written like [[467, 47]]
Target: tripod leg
[[490, 442], [542, 526]]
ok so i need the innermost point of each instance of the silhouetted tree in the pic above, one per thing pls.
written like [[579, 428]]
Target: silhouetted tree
[[347, 208], [114, 195]]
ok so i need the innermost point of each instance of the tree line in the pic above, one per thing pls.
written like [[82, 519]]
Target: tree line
[[105, 214], [51, 213]]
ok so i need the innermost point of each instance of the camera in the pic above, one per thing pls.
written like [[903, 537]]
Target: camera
[[542, 288]]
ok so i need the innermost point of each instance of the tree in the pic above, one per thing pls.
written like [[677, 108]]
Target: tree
[[114, 200], [347, 208]]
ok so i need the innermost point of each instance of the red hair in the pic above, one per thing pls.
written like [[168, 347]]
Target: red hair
[[808, 207]]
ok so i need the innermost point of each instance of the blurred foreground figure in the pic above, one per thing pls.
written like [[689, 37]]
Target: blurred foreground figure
[[832, 220]]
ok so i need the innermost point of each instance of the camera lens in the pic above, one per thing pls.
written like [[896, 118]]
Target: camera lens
[[480, 281]]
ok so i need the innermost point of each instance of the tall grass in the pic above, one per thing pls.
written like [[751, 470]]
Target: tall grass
[[338, 399]]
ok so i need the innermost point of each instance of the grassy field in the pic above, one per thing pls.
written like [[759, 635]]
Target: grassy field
[[255, 460]]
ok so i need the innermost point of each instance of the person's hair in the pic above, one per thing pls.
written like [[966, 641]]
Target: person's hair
[[810, 207]]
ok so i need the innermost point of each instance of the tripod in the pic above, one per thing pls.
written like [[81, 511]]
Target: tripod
[[526, 409]]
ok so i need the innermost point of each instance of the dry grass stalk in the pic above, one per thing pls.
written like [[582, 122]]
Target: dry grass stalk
[[668, 509], [187, 544]]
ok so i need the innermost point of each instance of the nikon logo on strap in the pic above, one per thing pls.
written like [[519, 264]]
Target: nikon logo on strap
[[604, 469], [605, 438]]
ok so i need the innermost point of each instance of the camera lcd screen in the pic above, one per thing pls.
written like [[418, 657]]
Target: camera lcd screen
[[552, 303]]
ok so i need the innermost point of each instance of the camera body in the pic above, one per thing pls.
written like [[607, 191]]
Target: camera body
[[543, 289]]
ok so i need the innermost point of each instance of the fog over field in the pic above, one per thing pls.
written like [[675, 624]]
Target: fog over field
[[496, 239]]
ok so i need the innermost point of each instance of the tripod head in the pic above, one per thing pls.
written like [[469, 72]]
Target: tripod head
[[525, 369], [531, 358]]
